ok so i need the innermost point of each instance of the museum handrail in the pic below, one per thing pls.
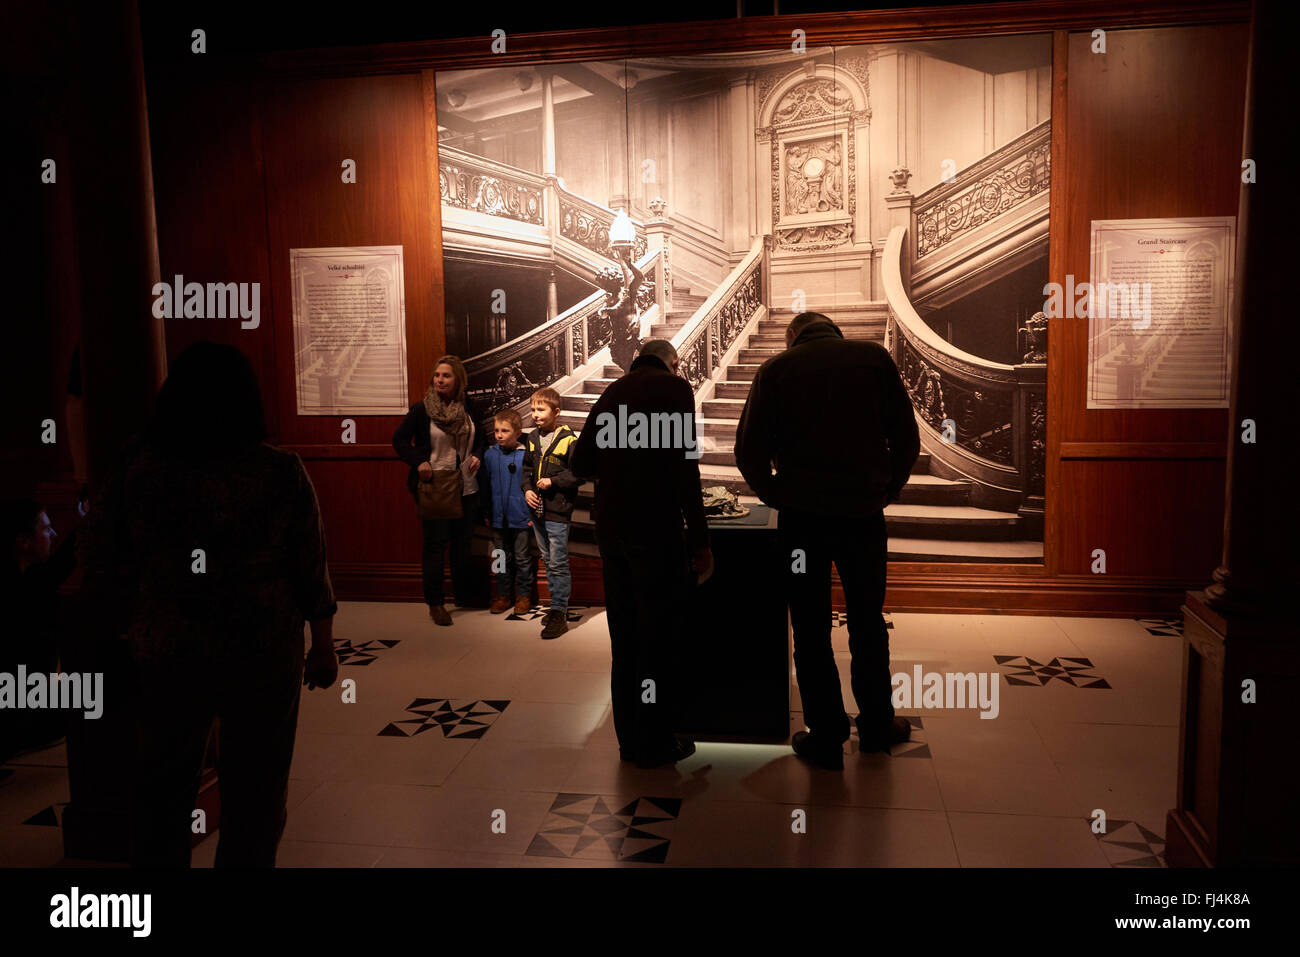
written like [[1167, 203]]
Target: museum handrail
[[710, 332], [508, 374], [587, 223], [983, 191], [987, 419], [481, 185], [485, 186]]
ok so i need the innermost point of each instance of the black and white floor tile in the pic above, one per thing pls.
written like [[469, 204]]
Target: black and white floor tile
[[1129, 844], [1162, 627], [573, 613], [594, 827], [914, 747], [457, 718], [840, 619], [361, 652], [1028, 671]]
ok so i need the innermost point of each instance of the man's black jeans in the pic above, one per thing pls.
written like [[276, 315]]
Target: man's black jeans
[[645, 593], [858, 548]]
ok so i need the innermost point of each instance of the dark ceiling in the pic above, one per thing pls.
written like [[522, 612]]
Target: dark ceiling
[[241, 27]]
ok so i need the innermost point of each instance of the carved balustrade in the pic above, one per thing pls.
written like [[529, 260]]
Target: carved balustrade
[[705, 338], [993, 412], [994, 186]]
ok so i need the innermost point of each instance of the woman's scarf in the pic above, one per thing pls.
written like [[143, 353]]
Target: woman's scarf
[[448, 415]]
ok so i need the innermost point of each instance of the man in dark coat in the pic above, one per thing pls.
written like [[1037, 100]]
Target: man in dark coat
[[644, 496], [833, 418]]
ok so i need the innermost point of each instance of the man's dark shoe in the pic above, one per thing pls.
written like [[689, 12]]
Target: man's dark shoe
[[679, 751], [824, 755], [556, 624], [440, 615], [896, 732]]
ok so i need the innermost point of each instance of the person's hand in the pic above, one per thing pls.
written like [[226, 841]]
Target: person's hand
[[533, 499], [544, 483], [321, 669], [426, 471], [474, 463], [702, 563]]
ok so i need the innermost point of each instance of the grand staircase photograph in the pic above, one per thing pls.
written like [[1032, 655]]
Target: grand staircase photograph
[[961, 252]]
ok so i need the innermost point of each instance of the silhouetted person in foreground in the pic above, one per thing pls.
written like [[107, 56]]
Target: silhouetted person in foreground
[[206, 551], [644, 497], [833, 418], [29, 582]]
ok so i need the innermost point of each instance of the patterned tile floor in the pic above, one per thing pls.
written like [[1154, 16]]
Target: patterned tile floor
[[526, 771]]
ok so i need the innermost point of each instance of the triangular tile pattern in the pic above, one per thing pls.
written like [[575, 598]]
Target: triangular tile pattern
[[1162, 627], [459, 718], [593, 827], [51, 816], [1027, 671], [573, 613], [915, 746], [361, 652], [1132, 845], [840, 619]]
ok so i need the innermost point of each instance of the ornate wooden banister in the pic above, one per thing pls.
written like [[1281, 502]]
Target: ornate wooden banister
[[710, 332], [508, 374], [984, 191], [981, 419]]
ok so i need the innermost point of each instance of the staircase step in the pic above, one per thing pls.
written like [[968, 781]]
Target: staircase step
[[741, 371], [724, 408], [778, 326], [578, 402], [936, 550], [596, 386], [958, 522], [732, 390], [574, 420], [706, 425], [611, 371], [758, 356]]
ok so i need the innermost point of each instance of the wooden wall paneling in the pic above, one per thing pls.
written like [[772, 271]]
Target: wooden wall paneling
[[310, 128], [432, 337], [210, 203], [1155, 130], [1056, 351], [1155, 519]]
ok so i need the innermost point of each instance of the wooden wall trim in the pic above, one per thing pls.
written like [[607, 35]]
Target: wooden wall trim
[[1143, 450], [372, 451], [1085, 595], [1057, 213], [754, 33]]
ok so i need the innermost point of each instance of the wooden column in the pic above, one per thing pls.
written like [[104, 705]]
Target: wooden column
[[1241, 660], [123, 363]]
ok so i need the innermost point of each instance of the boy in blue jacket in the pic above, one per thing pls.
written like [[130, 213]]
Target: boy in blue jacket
[[508, 514]]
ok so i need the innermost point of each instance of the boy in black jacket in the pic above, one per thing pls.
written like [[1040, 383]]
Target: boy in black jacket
[[551, 490]]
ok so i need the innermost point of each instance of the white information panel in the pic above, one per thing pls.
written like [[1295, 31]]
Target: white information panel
[[349, 330], [1159, 335]]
